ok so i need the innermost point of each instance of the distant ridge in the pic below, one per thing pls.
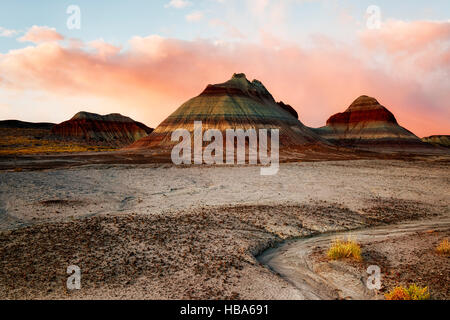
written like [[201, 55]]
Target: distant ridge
[[11, 124], [438, 140], [113, 117]]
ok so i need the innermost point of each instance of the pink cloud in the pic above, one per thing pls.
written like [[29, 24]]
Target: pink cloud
[[38, 34], [155, 75], [7, 32], [415, 49], [103, 48], [178, 4], [230, 30], [194, 16], [399, 37]]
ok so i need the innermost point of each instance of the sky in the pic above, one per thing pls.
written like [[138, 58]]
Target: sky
[[145, 58]]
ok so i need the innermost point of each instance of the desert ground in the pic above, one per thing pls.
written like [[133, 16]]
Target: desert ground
[[157, 231], [33, 141]]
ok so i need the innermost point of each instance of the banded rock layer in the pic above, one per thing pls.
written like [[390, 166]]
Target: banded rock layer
[[235, 104], [367, 124], [113, 129], [438, 140]]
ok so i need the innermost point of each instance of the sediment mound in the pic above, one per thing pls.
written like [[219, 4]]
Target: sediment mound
[[438, 140], [114, 129], [367, 124], [235, 104]]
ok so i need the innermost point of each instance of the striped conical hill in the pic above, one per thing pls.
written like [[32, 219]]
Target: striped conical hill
[[366, 124], [235, 104], [112, 129]]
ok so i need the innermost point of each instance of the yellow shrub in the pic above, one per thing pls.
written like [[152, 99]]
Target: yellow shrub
[[344, 249], [398, 293], [444, 247], [414, 292], [418, 293]]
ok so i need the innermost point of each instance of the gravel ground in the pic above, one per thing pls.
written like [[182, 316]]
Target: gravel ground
[[160, 232]]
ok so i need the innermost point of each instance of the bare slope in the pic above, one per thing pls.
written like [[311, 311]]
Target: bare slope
[[235, 104]]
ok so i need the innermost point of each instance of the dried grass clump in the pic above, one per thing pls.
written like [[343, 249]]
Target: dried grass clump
[[443, 247], [341, 249]]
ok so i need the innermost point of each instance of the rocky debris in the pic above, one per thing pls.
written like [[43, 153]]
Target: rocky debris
[[402, 264], [206, 253]]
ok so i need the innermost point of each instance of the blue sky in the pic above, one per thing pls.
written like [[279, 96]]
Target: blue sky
[[117, 21]]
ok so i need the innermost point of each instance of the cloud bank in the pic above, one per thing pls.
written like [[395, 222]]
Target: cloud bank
[[154, 75], [37, 34]]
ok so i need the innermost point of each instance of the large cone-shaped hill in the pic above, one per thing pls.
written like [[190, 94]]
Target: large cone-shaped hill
[[112, 129], [367, 124], [235, 104]]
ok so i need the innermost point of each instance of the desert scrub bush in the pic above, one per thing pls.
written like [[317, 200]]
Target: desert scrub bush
[[344, 249], [414, 292], [443, 247], [398, 293]]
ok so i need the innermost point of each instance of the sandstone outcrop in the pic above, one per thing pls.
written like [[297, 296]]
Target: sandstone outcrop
[[366, 124], [235, 104], [114, 129], [438, 140]]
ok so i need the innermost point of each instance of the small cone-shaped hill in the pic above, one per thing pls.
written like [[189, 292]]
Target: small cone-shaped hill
[[235, 104], [113, 129], [438, 140], [368, 124]]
